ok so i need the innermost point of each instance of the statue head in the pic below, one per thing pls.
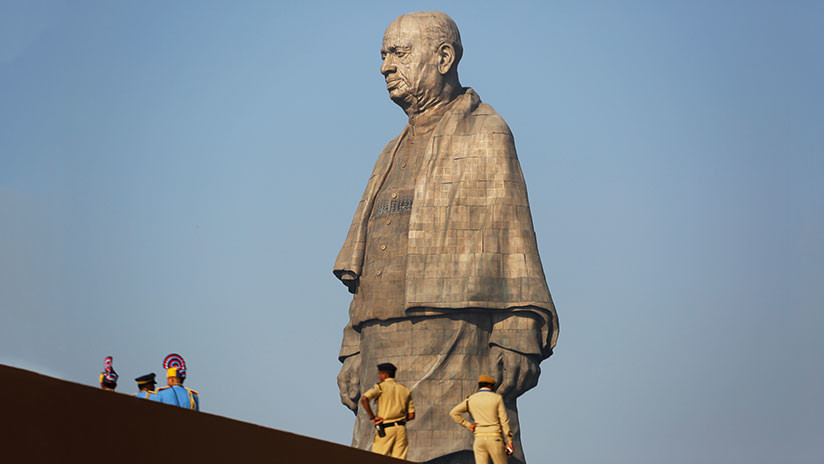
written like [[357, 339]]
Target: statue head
[[420, 56]]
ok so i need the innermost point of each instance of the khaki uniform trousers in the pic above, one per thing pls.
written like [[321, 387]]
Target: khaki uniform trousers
[[394, 444], [489, 445]]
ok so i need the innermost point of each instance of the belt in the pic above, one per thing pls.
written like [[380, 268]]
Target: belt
[[392, 424]]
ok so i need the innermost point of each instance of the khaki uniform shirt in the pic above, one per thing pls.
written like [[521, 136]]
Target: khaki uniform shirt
[[394, 400], [487, 408]]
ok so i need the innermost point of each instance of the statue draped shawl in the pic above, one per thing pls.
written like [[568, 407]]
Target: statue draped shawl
[[471, 240]]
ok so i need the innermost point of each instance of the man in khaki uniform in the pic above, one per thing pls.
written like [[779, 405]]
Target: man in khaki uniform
[[491, 422], [395, 408]]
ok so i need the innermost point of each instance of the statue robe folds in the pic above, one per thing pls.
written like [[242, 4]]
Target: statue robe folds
[[471, 249]]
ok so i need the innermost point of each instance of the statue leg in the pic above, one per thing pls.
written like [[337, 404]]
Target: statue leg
[[439, 358]]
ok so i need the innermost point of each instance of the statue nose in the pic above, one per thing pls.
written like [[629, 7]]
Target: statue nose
[[388, 65]]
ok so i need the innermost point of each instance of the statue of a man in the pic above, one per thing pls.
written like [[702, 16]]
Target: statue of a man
[[441, 256]]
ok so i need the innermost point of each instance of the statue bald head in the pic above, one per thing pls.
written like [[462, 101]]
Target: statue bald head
[[438, 28], [420, 54]]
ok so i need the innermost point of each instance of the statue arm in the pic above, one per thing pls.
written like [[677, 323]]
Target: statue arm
[[349, 263], [521, 331], [349, 375], [351, 280], [517, 344], [521, 336]]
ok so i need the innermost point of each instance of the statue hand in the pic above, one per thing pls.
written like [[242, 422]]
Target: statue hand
[[349, 382], [351, 280], [517, 372]]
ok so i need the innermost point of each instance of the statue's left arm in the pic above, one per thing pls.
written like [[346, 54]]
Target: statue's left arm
[[523, 334]]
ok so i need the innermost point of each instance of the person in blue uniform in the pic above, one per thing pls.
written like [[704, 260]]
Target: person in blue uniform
[[175, 393], [146, 384]]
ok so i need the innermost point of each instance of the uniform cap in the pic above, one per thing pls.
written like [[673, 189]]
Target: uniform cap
[[387, 367], [175, 366], [108, 376], [486, 379], [148, 378]]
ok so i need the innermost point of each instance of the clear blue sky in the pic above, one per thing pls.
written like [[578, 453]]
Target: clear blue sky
[[179, 176]]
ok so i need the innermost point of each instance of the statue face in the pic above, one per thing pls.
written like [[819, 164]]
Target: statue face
[[410, 65]]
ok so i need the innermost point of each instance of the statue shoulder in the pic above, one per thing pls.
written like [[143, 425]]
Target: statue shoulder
[[490, 121], [390, 145]]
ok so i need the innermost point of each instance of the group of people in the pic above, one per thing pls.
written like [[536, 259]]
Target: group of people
[[493, 436], [173, 393]]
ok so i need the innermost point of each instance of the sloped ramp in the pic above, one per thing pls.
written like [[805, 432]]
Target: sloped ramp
[[43, 419]]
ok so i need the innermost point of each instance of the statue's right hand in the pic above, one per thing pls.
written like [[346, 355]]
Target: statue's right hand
[[350, 279], [349, 382]]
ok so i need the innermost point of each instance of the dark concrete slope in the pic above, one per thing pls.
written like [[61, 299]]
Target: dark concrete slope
[[43, 419]]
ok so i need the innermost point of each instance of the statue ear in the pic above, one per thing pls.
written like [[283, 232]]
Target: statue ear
[[446, 58]]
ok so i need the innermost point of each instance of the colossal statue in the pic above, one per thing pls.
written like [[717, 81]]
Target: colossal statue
[[441, 256]]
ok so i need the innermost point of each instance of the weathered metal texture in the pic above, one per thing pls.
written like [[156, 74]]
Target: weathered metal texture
[[441, 254]]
